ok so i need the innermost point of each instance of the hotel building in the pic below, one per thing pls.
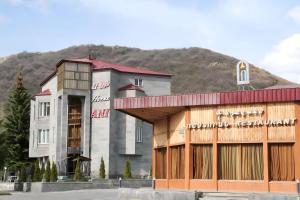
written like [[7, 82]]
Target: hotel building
[[73, 117]]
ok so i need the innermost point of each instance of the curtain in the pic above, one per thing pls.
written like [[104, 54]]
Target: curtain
[[161, 163], [229, 162], [282, 163], [202, 161], [252, 162], [177, 162], [240, 162]]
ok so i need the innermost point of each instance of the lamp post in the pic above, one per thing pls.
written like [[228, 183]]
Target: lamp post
[[4, 178]]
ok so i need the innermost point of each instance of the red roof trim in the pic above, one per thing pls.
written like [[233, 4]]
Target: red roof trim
[[46, 92], [83, 60], [209, 99], [99, 65], [131, 87], [48, 78]]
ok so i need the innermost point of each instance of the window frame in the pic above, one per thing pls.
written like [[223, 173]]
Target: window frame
[[139, 134], [138, 82], [43, 136], [44, 109]]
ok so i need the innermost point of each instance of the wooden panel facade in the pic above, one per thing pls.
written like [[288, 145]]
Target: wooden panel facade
[[160, 129], [73, 76], [177, 127], [237, 134], [204, 115], [281, 111], [177, 130]]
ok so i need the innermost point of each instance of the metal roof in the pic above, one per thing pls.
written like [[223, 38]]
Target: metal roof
[[98, 65], [140, 106]]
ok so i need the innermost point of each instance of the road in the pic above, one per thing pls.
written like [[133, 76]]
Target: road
[[102, 194]]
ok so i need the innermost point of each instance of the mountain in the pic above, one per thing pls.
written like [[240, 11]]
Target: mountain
[[194, 69]]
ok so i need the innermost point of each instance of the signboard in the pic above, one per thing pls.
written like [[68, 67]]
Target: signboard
[[242, 122], [101, 102]]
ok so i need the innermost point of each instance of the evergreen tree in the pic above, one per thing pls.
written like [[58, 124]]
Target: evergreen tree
[[150, 173], [23, 174], [127, 170], [37, 172], [102, 169], [47, 172], [77, 175], [42, 170], [53, 177], [16, 123], [31, 172], [3, 149]]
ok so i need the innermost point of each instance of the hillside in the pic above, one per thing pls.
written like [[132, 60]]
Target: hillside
[[194, 69]]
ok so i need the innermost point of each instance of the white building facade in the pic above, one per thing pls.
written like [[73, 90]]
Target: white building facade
[[73, 117]]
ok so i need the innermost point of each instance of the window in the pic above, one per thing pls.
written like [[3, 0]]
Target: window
[[240, 162], [202, 161], [138, 82], [73, 76], [44, 109], [139, 135], [43, 136], [177, 162], [281, 162], [161, 163]]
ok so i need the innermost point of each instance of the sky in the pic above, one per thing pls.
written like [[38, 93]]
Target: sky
[[265, 33]]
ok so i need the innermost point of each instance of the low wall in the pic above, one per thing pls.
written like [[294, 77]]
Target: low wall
[[150, 194], [96, 184], [135, 183], [7, 186], [67, 186], [272, 196]]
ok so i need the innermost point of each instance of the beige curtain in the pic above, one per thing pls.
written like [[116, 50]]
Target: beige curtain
[[229, 162], [202, 161], [282, 163], [161, 163], [177, 162], [252, 162], [240, 162]]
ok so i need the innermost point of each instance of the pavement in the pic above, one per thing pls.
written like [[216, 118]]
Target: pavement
[[101, 194]]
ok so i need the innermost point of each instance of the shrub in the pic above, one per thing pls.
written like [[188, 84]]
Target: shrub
[[37, 172], [102, 169], [127, 170], [23, 174], [32, 169], [77, 175], [42, 170], [53, 176], [47, 172]]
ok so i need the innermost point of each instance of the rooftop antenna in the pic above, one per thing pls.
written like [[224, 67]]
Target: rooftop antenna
[[243, 75]]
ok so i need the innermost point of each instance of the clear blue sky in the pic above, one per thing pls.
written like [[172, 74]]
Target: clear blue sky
[[263, 32]]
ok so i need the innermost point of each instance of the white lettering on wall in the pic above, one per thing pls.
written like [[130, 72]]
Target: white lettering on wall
[[243, 123], [101, 85], [99, 99]]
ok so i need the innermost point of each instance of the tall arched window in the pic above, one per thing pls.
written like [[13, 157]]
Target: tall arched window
[[243, 75]]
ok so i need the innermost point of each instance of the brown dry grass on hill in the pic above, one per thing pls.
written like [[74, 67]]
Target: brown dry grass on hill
[[194, 69]]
